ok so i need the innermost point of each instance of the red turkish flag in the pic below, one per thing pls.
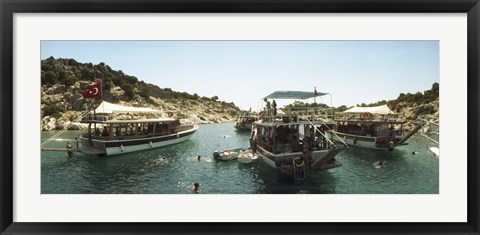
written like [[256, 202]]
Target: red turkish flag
[[94, 91]]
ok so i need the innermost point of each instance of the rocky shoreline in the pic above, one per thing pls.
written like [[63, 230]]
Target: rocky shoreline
[[429, 111]]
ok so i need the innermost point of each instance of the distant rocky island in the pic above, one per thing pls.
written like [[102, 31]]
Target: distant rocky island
[[64, 80]]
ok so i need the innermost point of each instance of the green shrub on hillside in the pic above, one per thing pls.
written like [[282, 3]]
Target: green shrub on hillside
[[49, 78], [50, 109]]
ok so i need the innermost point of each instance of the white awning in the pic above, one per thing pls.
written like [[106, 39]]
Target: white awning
[[303, 95], [383, 109], [106, 107]]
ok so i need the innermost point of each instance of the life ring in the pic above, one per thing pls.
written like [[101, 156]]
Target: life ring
[[299, 165]]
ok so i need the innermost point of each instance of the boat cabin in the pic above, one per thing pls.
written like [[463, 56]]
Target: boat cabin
[[369, 127], [281, 137], [133, 129], [121, 129]]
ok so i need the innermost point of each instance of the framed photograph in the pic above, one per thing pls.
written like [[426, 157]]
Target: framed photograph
[[239, 117]]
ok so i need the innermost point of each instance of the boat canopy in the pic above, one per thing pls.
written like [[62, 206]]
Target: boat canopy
[[106, 107], [383, 109], [294, 95]]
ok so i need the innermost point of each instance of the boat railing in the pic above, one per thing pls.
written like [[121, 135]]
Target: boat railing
[[368, 117], [136, 135], [125, 136], [322, 114], [328, 128], [425, 122], [265, 144], [184, 128], [324, 136], [297, 115]]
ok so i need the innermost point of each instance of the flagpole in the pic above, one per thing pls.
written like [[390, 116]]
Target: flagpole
[[101, 90]]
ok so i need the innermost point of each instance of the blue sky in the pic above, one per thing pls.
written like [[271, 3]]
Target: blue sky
[[353, 72]]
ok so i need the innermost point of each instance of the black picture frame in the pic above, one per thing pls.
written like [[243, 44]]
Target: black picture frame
[[9, 7]]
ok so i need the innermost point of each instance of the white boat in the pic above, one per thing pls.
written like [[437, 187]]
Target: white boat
[[108, 135], [435, 151], [371, 127], [227, 155], [246, 157], [296, 140]]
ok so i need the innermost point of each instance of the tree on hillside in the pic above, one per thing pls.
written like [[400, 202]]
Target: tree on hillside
[[128, 91], [86, 74], [49, 78], [341, 108]]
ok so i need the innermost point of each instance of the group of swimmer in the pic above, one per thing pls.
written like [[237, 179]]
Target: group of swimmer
[[195, 187]]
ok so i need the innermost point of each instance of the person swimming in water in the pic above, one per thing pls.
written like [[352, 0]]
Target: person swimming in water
[[196, 187], [69, 148], [379, 164]]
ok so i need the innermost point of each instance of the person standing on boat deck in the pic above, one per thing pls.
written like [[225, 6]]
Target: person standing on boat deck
[[69, 149], [294, 116], [323, 140], [105, 132], [274, 106], [269, 107]]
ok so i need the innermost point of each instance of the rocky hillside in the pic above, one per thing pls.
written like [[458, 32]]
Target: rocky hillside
[[421, 104], [412, 111], [64, 80]]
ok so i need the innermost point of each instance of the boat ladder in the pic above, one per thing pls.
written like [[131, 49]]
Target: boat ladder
[[298, 169]]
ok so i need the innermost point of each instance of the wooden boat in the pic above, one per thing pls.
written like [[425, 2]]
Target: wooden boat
[[295, 141], [246, 157], [371, 127], [244, 123], [108, 136], [227, 155]]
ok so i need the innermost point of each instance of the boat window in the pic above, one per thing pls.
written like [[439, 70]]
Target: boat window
[[382, 130]]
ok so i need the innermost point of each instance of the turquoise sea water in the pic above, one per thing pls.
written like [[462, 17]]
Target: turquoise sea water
[[173, 170]]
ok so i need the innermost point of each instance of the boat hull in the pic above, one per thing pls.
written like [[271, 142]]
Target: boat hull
[[435, 151], [361, 141], [247, 157], [115, 147], [319, 159], [243, 127]]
